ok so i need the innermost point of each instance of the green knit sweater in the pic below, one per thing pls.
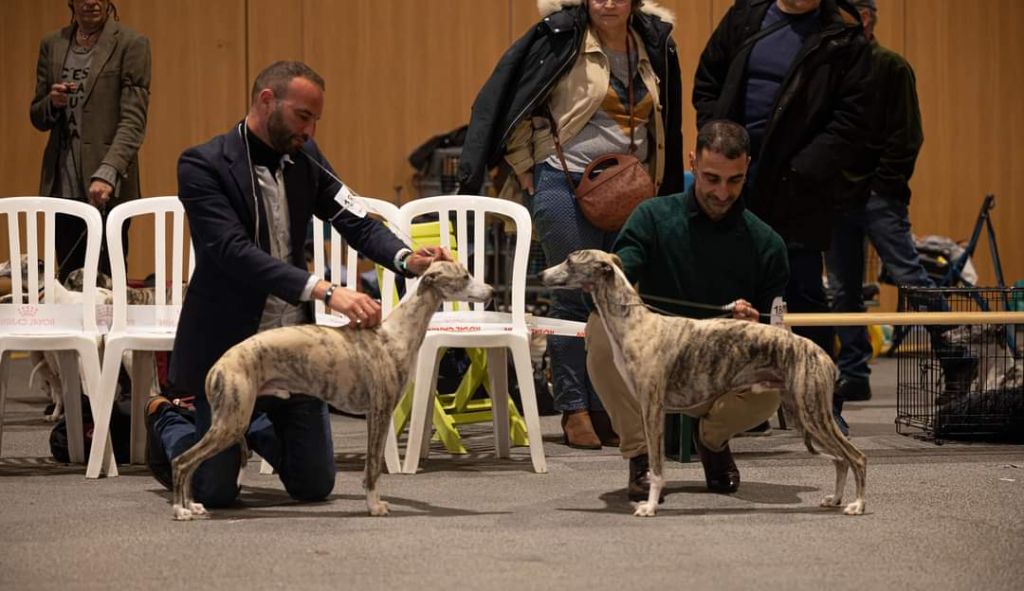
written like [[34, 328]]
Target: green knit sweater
[[673, 250]]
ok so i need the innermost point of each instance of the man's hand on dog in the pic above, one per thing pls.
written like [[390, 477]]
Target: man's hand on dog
[[420, 259], [742, 310], [361, 309]]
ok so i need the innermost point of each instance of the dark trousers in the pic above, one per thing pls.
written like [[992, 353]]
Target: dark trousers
[[805, 292], [69, 240], [294, 435]]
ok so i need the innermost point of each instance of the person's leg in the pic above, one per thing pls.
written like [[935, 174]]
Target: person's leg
[[623, 408], [69, 244], [846, 275], [172, 431], [300, 448], [733, 412], [888, 228], [805, 292], [215, 483], [562, 230]]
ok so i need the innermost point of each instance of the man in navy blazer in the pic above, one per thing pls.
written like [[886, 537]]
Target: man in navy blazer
[[249, 195]]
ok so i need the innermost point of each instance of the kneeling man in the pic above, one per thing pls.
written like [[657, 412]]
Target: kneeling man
[[700, 246]]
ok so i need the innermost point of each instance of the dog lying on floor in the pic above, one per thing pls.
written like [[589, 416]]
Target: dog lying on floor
[[671, 363], [44, 363], [359, 371]]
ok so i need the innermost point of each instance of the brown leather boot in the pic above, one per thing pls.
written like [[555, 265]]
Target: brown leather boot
[[578, 431], [603, 427]]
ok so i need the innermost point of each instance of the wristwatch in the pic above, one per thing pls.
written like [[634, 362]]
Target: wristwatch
[[401, 263], [328, 293]]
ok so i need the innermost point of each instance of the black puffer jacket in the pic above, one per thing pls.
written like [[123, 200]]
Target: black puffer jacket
[[817, 124], [528, 72]]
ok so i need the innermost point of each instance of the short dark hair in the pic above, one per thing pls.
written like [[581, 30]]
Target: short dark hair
[[278, 75], [723, 137]]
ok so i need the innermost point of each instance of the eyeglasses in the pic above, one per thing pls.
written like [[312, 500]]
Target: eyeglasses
[[613, 2]]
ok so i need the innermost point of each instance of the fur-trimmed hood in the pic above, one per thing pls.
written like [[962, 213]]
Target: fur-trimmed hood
[[546, 7]]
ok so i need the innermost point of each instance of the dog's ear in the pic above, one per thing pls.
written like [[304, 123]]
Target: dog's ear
[[615, 259], [427, 281]]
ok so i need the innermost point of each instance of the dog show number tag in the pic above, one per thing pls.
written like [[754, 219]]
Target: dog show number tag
[[778, 313], [350, 202]]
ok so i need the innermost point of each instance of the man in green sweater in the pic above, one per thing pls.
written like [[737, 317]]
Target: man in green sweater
[[702, 247]]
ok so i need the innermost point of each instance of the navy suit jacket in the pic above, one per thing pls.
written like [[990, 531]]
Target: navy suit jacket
[[234, 271]]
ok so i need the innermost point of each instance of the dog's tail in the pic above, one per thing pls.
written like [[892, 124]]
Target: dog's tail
[[808, 397]]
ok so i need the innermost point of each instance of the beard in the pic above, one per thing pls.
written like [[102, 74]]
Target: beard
[[281, 137]]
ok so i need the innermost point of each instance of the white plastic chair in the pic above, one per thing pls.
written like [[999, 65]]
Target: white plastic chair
[[141, 329], [495, 331], [31, 324], [389, 214]]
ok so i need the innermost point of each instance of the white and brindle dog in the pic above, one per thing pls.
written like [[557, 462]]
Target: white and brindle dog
[[354, 370], [671, 363], [44, 363], [45, 366]]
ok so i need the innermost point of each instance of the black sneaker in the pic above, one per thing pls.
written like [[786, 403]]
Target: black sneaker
[[853, 390]]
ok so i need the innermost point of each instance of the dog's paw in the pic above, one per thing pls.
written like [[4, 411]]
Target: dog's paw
[[831, 501], [190, 512], [379, 508], [645, 509], [182, 514], [854, 508]]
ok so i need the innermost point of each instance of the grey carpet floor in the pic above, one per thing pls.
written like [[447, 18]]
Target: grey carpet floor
[[945, 516]]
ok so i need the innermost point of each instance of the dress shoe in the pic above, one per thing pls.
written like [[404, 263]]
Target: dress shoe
[[853, 390], [640, 480], [603, 427], [578, 431], [720, 472]]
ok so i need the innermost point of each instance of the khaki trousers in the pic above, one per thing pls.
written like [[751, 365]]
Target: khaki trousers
[[733, 412]]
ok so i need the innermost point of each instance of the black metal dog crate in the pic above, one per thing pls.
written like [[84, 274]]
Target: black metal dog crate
[[962, 381]]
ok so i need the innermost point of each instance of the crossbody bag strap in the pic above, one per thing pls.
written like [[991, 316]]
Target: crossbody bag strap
[[630, 73], [558, 150]]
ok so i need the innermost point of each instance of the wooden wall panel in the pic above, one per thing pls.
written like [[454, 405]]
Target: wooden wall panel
[[21, 151], [273, 32], [891, 22], [970, 76], [397, 73]]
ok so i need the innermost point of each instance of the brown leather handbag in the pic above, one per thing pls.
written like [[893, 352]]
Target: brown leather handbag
[[614, 184]]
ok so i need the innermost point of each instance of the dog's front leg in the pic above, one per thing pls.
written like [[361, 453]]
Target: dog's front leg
[[377, 432], [651, 411]]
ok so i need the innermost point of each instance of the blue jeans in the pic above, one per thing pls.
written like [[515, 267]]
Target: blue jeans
[[294, 435], [886, 224], [562, 229]]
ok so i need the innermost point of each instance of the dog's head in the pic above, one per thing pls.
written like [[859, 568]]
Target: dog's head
[[582, 270], [76, 280], [453, 282], [7, 270]]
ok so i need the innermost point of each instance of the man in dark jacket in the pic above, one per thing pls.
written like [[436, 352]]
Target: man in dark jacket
[[878, 195], [793, 73], [249, 196]]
